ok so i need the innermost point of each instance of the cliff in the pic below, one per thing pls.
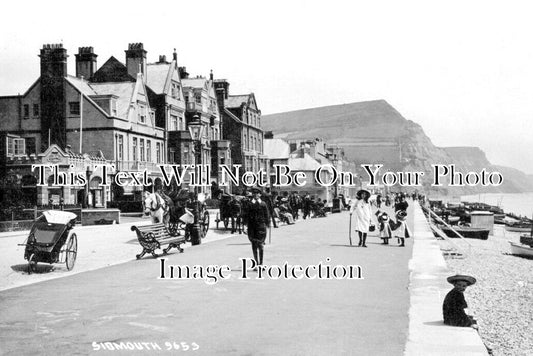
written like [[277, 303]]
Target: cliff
[[375, 132]]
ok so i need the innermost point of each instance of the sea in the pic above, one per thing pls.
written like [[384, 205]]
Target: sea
[[519, 204]]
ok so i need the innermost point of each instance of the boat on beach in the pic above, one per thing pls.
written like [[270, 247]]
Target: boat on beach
[[518, 228], [468, 232], [521, 250]]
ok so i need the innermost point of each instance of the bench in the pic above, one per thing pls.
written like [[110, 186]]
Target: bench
[[152, 237]]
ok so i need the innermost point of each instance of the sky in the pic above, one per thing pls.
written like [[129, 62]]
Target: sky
[[463, 70]]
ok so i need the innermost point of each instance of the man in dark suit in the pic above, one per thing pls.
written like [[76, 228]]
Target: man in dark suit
[[258, 221]]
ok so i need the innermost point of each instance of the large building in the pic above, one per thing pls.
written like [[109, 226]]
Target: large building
[[113, 121], [241, 123], [134, 115]]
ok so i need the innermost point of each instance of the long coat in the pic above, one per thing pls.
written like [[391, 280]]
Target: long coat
[[362, 215], [258, 220]]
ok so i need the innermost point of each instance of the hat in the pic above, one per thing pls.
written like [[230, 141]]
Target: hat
[[384, 217], [360, 193], [460, 277], [248, 194], [401, 214], [256, 190]]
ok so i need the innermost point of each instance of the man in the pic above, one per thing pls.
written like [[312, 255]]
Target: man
[[267, 197], [258, 221]]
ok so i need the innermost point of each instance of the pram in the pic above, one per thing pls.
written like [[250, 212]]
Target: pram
[[51, 240]]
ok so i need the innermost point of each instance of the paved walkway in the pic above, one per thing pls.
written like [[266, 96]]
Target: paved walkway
[[128, 303], [99, 246], [427, 333]]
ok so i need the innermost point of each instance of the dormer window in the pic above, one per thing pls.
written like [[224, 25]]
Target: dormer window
[[142, 114], [113, 108]]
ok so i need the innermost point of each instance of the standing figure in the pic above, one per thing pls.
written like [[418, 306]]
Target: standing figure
[[401, 230], [385, 231], [307, 206], [363, 215], [267, 198], [453, 308], [378, 201], [401, 204], [258, 221]]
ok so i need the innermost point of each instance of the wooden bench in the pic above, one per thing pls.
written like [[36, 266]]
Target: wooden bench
[[152, 237]]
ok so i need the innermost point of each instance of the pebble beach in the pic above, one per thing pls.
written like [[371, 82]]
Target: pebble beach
[[502, 299]]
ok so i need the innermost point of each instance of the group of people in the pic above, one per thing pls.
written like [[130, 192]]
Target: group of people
[[362, 211]]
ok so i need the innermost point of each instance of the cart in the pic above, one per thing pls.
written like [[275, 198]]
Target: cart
[[51, 240]]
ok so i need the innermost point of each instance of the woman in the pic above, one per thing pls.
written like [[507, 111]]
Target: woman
[[363, 215]]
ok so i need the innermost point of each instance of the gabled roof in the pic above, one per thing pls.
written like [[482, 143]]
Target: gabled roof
[[157, 77], [198, 83], [276, 148], [306, 163], [235, 101], [124, 92], [112, 71], [83, 86]]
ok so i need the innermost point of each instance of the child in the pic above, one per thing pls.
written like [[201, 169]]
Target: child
[[385, 232], [453, 308], [401, 230]]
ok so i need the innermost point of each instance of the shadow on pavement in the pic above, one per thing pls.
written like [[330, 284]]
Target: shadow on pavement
[[39, 268]]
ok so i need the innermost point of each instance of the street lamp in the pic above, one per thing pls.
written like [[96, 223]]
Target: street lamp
[[196, 129]]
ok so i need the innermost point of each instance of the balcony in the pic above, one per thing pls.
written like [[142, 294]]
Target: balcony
[[196, 107]]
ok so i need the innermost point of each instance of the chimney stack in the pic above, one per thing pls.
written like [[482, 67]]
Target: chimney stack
[[53, 101], [53, 61], [183, 73], [162, 59], [136, 60], [85, 62]]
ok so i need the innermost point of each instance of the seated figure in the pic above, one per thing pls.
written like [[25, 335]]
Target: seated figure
[[453, 308]]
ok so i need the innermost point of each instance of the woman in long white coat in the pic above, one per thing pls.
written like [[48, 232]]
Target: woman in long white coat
[[363, 215]]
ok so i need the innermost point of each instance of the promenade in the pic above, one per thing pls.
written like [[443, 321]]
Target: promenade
[[128, 303], [112, 299]]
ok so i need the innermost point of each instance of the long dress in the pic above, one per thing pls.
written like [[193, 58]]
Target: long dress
[[362, 215]]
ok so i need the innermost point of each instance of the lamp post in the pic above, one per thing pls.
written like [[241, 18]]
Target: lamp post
[[88, 173], [196, 129]]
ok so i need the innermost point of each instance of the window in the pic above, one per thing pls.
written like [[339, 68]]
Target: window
[[120, 149], [173, 123], [180, 124], [74, 107], [134, 149], [16, 146], [175, 91], [185, 158], [245, 142], [171, 155], [198, 98], [35, 109], [26, 111], [142, 114], [158, 152], [113, 108], [148, 151], [141, 149]]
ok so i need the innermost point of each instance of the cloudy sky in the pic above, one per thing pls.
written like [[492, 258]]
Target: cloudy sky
[[461, 69]]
